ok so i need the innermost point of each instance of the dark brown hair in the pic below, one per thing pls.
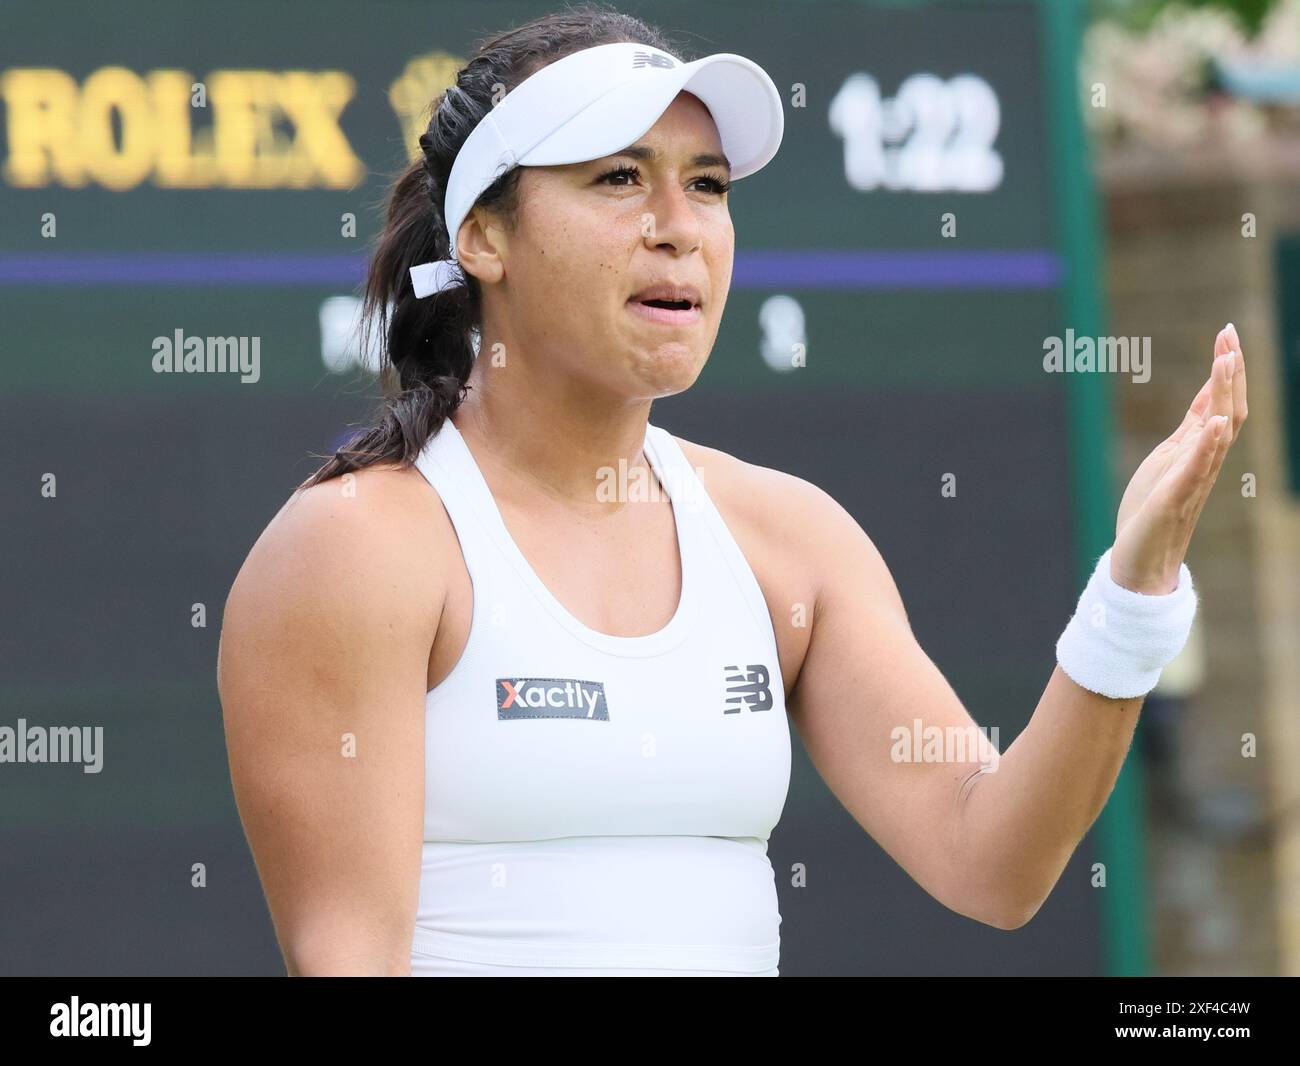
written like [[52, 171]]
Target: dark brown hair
[[428, 346]]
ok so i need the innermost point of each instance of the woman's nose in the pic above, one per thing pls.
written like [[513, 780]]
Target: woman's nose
[[672, 220]]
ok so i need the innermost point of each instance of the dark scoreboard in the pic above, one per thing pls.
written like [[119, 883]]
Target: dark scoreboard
[[216, 172]]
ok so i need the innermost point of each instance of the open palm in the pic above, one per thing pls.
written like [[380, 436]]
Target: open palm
[[1160, 507]]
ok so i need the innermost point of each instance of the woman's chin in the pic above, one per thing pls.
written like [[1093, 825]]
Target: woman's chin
[[669, 367]]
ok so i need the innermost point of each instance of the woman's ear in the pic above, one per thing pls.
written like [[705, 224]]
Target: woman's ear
[[481, 245]]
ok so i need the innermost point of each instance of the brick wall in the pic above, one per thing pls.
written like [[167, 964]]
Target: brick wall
[[1223, 854]]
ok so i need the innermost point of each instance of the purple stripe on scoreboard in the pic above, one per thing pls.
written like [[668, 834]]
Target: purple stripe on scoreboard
[[756, 269], [181, 269], [979, 269]]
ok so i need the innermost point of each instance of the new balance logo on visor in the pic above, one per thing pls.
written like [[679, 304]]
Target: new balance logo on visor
[[751, 686], [550, 697], [649, 59]]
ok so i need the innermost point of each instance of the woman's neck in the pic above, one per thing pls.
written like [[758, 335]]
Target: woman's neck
[[562, 451]]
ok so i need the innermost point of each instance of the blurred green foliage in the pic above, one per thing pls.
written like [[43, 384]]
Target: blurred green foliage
[[1139, 14]]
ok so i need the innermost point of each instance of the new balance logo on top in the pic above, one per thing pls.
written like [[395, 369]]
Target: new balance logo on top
[[550, 697], [750, 685], [651, 59]]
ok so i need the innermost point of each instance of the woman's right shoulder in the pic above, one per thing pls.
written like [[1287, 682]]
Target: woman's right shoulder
[[373, 542]]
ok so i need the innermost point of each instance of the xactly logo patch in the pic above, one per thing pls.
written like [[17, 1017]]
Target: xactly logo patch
[[550, 697]]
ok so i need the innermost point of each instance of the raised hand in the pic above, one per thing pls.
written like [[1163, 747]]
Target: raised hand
[[1163, 501]]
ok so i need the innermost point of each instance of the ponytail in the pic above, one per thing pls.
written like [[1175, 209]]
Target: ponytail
[[428, 343]]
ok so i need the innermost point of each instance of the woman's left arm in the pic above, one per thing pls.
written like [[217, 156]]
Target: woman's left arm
[[990, 845], [1053, 782]]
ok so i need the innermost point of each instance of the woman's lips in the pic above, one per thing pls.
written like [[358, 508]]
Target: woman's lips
[[665, 316]]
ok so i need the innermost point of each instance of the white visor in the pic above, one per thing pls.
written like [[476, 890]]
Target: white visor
[[595, 103]]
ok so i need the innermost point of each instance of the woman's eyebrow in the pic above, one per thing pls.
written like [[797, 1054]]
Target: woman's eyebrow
[[653, 155]]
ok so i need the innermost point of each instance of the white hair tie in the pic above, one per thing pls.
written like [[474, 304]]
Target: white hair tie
[[428, 278]]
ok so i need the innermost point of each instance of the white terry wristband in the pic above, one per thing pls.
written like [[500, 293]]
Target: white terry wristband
[[1119, 640]]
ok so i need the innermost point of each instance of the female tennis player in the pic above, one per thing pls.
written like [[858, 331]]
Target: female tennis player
[[507, 682]]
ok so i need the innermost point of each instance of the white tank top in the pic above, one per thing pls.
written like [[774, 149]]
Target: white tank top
[[595, 803]]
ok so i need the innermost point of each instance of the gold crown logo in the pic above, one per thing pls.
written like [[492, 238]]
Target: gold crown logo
[[413, 93]]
